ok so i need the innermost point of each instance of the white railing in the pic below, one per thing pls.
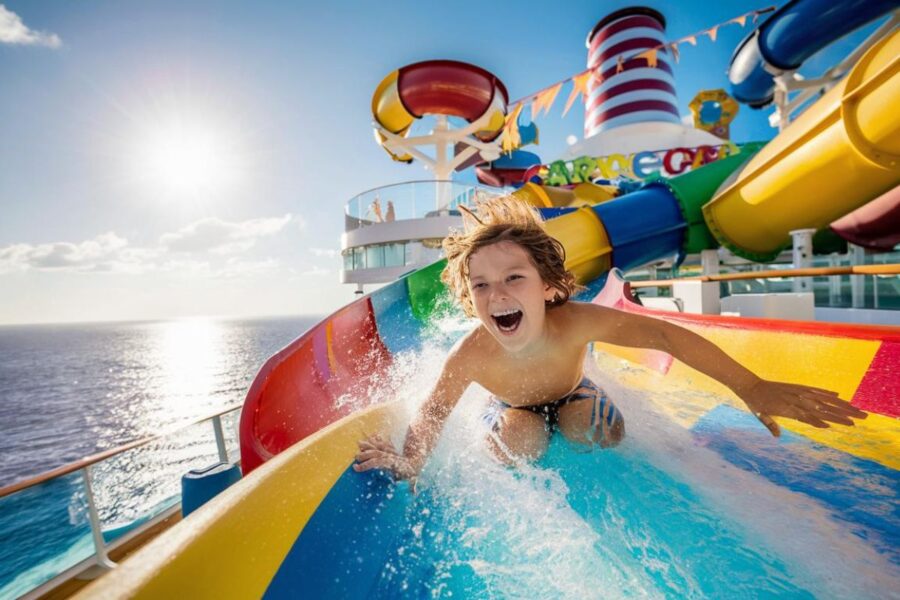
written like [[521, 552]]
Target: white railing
[[411, 200], [43, 552]]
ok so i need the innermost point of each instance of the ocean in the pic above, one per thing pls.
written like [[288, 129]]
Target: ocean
[[68, 391]]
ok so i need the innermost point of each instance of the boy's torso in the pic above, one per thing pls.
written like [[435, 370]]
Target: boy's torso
[[540, 377]]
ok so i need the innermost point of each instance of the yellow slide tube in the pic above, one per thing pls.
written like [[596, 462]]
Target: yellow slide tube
[[583, 194], [839, 154], [588, 250]]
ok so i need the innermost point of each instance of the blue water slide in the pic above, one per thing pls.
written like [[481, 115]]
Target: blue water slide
[[791, 35], [643, 226]]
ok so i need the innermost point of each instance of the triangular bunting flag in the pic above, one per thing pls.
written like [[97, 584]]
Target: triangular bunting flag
[[691, 39], [675, 52], [741, 20], [620, 64], [649, 56], [579, 87], [544, 100], [511, 138], [713, 32]]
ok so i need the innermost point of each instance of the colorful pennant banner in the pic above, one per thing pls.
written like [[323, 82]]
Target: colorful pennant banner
[[542, 101]]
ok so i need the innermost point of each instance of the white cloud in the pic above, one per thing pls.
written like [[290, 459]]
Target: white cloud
[[197, 249], [97, 254], [14, 31], [222, 237]]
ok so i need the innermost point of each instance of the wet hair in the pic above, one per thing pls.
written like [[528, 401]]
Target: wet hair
[[505, 219]]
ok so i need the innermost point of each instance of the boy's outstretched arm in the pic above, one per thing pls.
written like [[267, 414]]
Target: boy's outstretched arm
[[425, 429], [766, 399]]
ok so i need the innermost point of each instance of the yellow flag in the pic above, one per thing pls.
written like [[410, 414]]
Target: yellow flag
[[579, 86], [650, 57], [510, 139], [544, 100], [713, 32]]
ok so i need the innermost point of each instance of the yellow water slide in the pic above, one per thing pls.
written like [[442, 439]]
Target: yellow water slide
[[838, 155]]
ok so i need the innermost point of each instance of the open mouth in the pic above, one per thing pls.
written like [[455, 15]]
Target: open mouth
[[507, 320]]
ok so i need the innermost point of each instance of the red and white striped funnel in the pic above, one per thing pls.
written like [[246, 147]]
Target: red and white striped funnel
[[633, 91]]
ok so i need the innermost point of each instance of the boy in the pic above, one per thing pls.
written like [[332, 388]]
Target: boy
[[530, 346]]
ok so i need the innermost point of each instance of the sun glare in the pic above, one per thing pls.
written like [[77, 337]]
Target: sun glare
[[182, 159]]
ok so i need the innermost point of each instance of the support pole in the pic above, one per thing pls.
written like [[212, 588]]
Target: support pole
[[802, 257], [103, 560], [857, 282]]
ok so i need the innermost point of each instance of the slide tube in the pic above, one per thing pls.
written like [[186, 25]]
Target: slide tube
[[789, 37], [837, 156]]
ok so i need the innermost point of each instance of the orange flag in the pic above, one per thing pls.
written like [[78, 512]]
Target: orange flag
[[650, 57], [741, 20], [511, 138], [544, 100], [675, 52], [691, 39], [579, 87], [713, 32]]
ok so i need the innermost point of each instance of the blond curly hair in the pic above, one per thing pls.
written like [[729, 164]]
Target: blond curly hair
[[505, 219]]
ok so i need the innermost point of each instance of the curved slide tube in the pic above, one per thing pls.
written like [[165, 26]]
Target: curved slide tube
[[837, 156], [789, 37], [441, 87], [875, 225]]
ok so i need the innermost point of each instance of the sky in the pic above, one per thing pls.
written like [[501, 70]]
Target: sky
[[175, 159]]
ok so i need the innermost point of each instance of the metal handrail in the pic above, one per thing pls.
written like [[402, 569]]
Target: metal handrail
[[888, 269], [101, 456]]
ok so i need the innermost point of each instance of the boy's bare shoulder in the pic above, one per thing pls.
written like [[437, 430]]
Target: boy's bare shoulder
[[469, 352], [586, 320], [579, 311]]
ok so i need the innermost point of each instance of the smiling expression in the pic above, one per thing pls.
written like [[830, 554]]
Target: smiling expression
[[509, 295]]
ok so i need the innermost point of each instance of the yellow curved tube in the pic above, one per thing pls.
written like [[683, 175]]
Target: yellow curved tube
[[839, 154], [588, 250]]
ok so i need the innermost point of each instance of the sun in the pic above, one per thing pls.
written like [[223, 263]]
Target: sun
[[186, 158]]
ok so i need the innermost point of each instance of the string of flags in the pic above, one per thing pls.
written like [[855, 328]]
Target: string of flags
[[542, 101]]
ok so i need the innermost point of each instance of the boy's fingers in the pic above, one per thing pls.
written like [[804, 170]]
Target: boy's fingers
[[770, 424], [836, 407], [367, 454], [368, 465]]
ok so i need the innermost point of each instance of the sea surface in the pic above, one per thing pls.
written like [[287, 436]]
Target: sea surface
[[68, 391]]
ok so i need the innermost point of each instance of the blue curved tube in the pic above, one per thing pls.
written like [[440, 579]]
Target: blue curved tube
[[790, 36]]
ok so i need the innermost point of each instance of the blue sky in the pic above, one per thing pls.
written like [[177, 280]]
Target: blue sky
[[91, 228]]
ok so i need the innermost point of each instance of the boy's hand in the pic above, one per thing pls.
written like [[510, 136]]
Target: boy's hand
[[813, 406], [379, 453]]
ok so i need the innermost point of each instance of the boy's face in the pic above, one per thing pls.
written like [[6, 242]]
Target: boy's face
[[509, 294]]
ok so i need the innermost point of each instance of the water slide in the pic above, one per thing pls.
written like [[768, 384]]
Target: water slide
[[303, 523], [874, 226], [790, 36], [443, 87]]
